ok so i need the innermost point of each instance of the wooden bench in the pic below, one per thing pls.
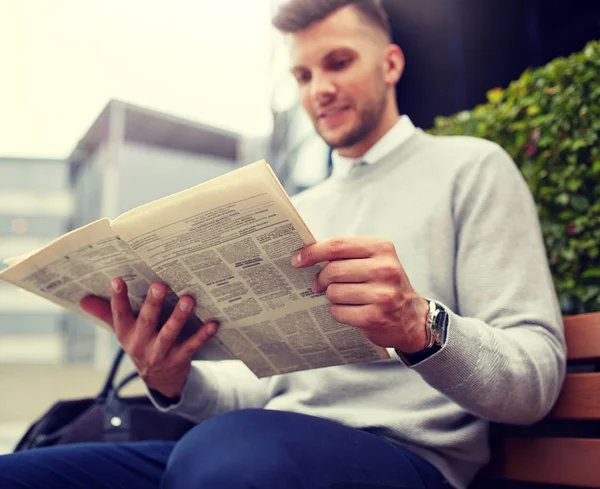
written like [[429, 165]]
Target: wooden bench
[[563, 449]]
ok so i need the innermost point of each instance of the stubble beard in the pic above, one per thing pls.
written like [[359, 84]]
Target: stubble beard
[[368, 120]]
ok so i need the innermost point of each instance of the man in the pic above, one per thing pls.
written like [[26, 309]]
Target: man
[[456, 286]]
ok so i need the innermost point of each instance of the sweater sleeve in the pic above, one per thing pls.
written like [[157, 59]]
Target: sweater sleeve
[[213, 388], [504, 357]]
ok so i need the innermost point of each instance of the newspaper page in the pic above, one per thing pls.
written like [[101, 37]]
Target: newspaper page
[[228, 245], [82, 263]]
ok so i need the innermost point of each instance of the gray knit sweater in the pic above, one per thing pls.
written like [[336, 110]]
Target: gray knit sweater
[[466, 231]]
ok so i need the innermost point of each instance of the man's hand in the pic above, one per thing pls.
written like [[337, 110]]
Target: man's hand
[[369, 289], [161, 362]]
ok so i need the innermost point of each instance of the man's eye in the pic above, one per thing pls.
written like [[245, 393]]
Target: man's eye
[[340, 64], [302, 77]]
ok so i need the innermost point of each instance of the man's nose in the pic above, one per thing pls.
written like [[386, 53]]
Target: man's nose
[[322, 88]]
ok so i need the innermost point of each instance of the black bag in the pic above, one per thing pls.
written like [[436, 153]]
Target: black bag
[[108, 417]]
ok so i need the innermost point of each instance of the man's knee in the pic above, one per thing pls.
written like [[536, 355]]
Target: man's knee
[[247, 448], [12, 471], [23, 470]]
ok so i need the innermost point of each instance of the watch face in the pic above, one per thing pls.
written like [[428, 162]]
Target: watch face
[[440, 326]]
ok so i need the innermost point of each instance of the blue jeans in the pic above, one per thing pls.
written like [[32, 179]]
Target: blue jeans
[[249, 449]]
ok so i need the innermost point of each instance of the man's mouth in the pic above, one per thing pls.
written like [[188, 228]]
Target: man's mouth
[[332, 112]]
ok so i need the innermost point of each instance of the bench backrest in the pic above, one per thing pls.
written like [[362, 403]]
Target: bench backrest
[[564, 449]]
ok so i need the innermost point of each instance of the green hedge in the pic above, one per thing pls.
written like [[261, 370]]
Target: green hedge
[[549, 122]]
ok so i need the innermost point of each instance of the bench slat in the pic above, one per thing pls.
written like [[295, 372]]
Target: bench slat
[[563, 461], [579, 398], [582, 333]]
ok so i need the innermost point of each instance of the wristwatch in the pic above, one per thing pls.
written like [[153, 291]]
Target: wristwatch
[[436, 329]]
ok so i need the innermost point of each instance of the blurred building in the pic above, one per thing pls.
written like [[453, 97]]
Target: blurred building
[[298, 155], [35, 206]]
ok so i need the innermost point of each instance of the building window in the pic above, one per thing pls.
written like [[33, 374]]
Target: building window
[[19, 226]]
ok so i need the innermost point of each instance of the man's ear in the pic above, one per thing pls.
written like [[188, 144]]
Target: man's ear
[[394, 64]]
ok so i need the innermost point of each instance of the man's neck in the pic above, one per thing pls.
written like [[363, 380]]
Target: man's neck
[[389, 120]]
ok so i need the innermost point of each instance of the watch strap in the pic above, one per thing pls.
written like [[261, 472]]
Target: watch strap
[[418, 356]]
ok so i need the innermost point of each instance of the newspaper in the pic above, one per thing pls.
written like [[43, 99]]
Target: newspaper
[[226, 243]]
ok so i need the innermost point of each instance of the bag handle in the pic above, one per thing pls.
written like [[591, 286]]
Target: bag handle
[[109, 391], [132, 376], [109, 383], [114, 394]]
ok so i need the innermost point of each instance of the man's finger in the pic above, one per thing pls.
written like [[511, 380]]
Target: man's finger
[[343, 271], [168, 334], [98, 307], [123, 318], [335, 249], [186, 350], [356, 294], [149, 315], [364, 317]]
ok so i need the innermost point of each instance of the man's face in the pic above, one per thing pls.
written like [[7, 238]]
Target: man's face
[[339, 64]]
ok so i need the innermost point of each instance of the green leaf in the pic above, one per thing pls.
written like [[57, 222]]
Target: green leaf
[[563, 199], [590, 293], [580, 203], [495, 95], [589, 51], [569, 255], [573, 184], [463, 116], [591, 273]]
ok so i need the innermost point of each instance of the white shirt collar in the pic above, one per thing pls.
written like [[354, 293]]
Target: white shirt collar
[[391, 140]]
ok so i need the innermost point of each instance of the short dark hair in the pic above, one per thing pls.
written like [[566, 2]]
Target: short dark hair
[[296, 15]]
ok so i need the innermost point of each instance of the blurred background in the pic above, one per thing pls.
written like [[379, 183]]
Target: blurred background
[[105, 105]]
